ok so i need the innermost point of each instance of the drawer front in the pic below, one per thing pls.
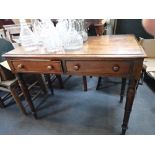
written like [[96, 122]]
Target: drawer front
[[116, 68], [37, 66]]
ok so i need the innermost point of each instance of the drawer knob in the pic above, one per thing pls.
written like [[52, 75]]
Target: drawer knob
[[76, 67], [20, 66], [50, 67], [115, 68]]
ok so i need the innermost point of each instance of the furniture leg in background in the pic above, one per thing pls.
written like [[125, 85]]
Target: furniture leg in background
[[17, 100], [26, 93], [123, 85], [49, 83], [41, 83], [85, 83], [60, 81], [98, 83]]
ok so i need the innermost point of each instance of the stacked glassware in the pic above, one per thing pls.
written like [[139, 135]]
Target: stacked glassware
[[69, 34]]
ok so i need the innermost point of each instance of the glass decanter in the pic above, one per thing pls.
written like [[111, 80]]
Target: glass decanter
[[50, 36], [27, 37], [37, 29], [73, 40], [81, 29]]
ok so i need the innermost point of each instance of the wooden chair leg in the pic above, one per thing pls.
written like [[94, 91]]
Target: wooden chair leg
[[98, 83], [85, 83], [41, 83], [122, 89], [60, 81], [1, 103], [49, 83], [17, 100]]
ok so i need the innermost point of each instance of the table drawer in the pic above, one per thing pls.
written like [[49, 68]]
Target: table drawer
[[37, 66], [98, 67]]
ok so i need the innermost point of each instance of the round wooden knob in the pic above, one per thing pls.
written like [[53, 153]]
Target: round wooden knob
[[115, 68], [20, 66], [76, 67], [50, 67]]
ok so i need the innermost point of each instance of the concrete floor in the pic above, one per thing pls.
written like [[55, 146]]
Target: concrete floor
[[73, 111]]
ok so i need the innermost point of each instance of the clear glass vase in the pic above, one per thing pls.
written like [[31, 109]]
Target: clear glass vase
[[37, 29], [27, 37], [81, 29], [50, 37], [73, 40]]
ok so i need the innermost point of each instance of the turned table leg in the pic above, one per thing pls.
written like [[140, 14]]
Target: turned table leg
[[129, 102], [122, 89], [26, 93]]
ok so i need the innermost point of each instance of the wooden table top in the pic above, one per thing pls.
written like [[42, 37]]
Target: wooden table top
[[108, 46]]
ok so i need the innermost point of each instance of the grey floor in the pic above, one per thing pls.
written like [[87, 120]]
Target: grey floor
[[73, 111]]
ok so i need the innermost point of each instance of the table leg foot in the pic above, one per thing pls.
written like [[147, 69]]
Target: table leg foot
[[124, 130], [35, 115]]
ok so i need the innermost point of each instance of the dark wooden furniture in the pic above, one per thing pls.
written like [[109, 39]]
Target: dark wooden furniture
[[129, 26], [5, 22], [123, 85], [8, 81], [9, 84], [116, 56], [98, 25]]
